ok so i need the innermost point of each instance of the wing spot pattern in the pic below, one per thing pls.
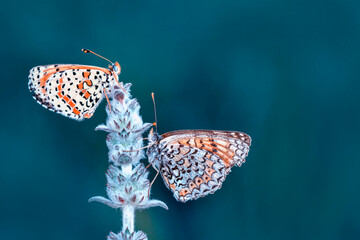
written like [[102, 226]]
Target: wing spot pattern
[[196, 162]]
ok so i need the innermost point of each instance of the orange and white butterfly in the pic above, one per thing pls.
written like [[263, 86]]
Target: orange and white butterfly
[[73, 90]]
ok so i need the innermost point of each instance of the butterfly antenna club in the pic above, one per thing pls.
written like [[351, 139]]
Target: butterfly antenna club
[[155, 123]]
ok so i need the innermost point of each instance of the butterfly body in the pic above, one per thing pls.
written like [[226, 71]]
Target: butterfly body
[[72, 90], [194, 163]]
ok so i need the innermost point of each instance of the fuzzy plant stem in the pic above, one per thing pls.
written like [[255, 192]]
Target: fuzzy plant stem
[[128, 211], [127, 182], [128, 218]]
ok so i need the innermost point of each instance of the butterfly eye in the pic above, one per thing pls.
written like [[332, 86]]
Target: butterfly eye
[[115, 68]]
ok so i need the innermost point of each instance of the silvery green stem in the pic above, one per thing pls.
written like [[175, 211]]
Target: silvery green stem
[[128, 218], [127, 183], [128, 211]]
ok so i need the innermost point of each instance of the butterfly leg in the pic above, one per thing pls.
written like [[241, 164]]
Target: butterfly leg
[[107, 99], [120, 85], [153, 181], [137, 149]]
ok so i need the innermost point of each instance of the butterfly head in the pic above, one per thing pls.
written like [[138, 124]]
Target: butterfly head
[[115, 68]]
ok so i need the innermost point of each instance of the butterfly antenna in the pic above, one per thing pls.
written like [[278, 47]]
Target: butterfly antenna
[[155, 123], [89, 51]]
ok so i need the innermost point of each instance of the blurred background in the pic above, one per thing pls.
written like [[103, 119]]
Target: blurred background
[[285, 72]]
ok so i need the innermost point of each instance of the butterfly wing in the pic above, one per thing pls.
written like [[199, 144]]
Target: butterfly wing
[[71, 90], [194, 163]]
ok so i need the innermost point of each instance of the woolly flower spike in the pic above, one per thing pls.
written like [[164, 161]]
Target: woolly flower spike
[[125, 128], [127, 236], [126, 186], [131, 190], [127, 183]]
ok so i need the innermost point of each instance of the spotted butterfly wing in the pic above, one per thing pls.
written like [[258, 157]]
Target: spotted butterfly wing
[[194, 163], [71, 90]]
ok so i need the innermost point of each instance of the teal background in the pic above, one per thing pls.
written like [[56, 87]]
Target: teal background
[[285, 72]]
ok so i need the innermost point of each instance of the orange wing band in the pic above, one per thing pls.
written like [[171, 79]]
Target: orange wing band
[[211, 146], [51, 71]]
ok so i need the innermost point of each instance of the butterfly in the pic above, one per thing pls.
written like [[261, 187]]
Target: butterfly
[[194, 163], [73, 90]]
